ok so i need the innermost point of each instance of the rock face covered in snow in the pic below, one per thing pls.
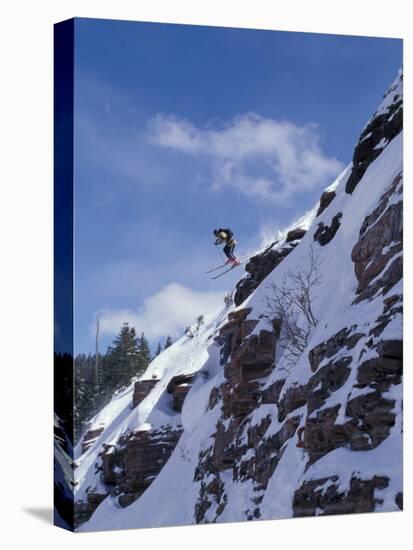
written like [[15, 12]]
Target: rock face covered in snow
[[142, 389], [384, 125], [135, 461], [379, 242], [261, 265], [231, 429]]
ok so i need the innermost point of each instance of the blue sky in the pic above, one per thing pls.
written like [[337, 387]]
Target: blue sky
[[180, 129]]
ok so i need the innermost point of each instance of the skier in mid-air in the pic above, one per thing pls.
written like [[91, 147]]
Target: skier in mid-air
[[226, 236]]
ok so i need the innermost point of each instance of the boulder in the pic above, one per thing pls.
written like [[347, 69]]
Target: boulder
[[325, 233], [326, 198], [295, 234]]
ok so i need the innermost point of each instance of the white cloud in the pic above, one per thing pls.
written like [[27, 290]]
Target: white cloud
[[264, 158], [168, 311]]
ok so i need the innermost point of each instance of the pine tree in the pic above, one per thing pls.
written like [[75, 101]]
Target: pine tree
[[158, 349], [168, 342], [144, 354], [123, 358], [87, 399]]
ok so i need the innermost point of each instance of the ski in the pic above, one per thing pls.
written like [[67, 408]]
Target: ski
[[223, 265], [216, 268], [229, 269]]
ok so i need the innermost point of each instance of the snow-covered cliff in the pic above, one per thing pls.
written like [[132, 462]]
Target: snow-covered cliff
[[233, 423]]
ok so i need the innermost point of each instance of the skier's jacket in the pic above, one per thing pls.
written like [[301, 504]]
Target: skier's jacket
[[225, 235]]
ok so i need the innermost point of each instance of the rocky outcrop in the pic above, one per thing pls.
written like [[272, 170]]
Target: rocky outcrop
[[84, 510], [179, 387], [385, 369], [392, 307], [131, 466], [234, 331], [345, 403], [248, 359], [373, 417], [325, 233], [295, 234], [391, 276], [382, 128], [371, 414], [145, 455], [326, 198], [369, 417], [294, 398], [312, 419], [345, 338], [260, 466], [324, 497], [395, 188], [261, 265], [380, 242], [326, 381], [90, 437], [142, 389], [251, 452]]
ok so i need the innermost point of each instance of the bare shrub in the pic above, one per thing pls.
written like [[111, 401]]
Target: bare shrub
[[192, 331], [229, 299], [188, 332], [291, 304]]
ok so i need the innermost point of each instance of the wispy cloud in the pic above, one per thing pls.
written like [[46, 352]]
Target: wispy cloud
[[168, 311], [264, 158]]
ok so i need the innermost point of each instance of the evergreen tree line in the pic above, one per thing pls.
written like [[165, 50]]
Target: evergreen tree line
[[97, 381]]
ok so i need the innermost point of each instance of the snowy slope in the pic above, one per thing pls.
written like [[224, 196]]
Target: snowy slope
[[273, 475], [119, 417]]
